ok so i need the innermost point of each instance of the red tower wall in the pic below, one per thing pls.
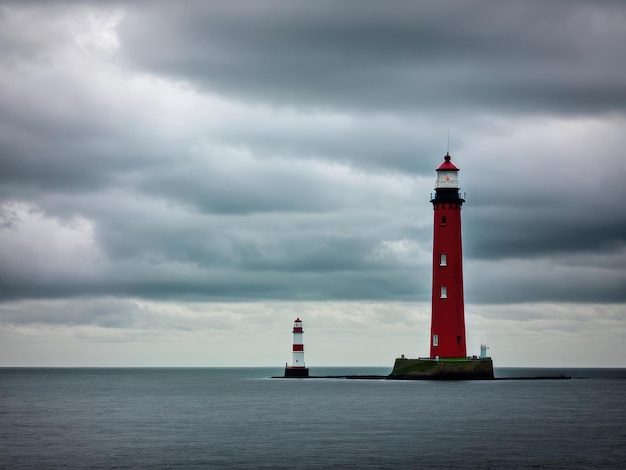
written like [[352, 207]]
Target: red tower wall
[[448, 314]]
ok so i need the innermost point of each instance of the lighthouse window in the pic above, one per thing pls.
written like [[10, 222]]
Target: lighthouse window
[[443, 261], [444, 292], [443, 220], [435, 340]]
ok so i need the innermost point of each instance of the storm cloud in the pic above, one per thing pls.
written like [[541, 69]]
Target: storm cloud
[[270, 151], [398, 56]]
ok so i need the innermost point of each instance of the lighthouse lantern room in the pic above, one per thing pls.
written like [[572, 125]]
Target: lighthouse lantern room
[[448, 316]]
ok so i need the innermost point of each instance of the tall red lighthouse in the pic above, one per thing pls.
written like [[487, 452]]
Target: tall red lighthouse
[[448, 357], [447, 338]]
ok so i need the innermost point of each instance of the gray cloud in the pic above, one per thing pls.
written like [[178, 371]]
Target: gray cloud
[[556, 57], [268, 150]]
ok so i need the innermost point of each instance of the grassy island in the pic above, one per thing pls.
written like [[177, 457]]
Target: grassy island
[[463, 368]]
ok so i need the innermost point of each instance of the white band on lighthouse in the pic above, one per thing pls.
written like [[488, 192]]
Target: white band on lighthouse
[[447, 179]]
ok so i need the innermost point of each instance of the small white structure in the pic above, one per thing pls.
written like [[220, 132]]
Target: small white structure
[[483, 351], [298, 367], [298, 345]]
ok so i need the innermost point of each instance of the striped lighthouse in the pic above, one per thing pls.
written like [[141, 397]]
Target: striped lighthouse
[[297, 368]]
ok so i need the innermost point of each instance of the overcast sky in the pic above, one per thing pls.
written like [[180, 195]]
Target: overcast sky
[[180, 180]]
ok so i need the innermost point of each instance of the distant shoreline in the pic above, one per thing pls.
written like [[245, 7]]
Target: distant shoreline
[[385, 377]]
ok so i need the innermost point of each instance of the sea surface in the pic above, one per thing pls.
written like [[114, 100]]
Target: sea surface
[[240, 418]]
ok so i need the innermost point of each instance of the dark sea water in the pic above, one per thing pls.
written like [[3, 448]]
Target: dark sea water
[[240, 418]]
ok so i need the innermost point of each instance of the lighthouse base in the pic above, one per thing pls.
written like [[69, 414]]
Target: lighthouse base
[[296, 372], [442, 369]]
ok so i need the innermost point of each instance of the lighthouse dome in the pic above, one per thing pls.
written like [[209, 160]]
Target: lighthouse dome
[[447, 165]]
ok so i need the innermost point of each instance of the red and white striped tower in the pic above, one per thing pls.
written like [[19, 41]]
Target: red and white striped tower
[[297, 368]]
